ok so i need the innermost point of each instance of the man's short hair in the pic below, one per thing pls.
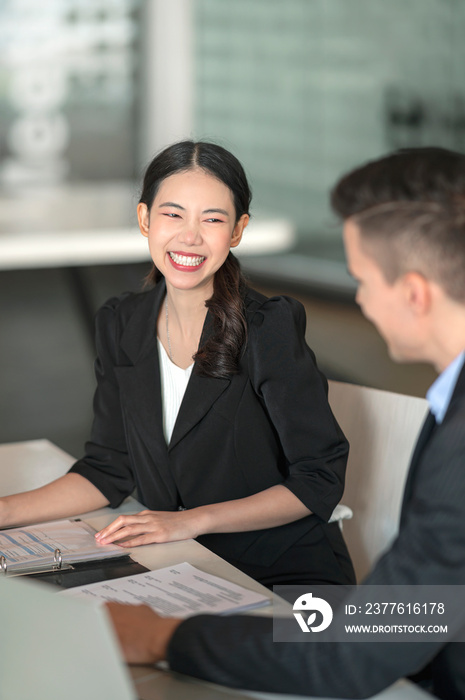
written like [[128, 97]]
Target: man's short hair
[[411, 175], [410, 209]]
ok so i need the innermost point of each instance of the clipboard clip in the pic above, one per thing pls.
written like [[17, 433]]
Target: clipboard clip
[[56, 566]]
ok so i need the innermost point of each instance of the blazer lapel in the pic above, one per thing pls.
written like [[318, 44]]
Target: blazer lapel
[[201, 394], [140, 384], [140, 332], [459, 392], [423, 438], [425, 435]]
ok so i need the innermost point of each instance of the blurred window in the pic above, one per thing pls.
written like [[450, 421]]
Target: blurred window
[[302, 90], [67, 90]]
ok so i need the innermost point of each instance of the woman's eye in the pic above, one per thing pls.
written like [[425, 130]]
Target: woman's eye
[[172, 215], [214, 220]]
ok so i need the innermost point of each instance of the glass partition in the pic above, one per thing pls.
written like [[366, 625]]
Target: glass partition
[[303, 90], [67, 91]]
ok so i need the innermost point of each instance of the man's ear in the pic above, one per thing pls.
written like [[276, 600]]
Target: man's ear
[[239, 230], [143, 218], [417, 292]]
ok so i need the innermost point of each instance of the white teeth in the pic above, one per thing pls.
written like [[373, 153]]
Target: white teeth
[[186, 260]]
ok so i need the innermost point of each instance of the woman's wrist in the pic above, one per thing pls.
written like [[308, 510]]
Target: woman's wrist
[[5, 512], [204, 519]]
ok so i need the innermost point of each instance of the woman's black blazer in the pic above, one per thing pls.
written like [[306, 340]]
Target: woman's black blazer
[[269, 424]]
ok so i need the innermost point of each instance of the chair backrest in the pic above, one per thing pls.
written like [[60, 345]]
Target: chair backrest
[[382, 428]]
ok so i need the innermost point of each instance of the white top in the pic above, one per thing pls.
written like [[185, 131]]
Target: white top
[[174, 382]]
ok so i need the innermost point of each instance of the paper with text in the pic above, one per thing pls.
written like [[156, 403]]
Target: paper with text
[[176, 591]]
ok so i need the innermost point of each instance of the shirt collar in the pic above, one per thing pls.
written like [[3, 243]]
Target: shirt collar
[[440, 393]]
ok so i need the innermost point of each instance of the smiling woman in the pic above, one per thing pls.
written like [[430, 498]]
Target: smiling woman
[[213, 213], [191, 226], [208, 399]]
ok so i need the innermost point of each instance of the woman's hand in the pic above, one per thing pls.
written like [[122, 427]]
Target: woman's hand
[[143, 635], [150, 526], [270, 508]]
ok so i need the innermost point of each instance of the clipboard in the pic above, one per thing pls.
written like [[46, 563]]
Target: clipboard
[[95, 571], [59, 548], [27, 570], [35, 552], [65, 575]]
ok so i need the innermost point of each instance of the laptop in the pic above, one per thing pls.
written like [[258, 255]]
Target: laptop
[[57, 647], [54, 647]]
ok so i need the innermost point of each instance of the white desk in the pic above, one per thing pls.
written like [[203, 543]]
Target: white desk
[[31, 464]]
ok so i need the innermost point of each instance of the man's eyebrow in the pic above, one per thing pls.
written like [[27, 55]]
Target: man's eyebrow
[[171, 204]]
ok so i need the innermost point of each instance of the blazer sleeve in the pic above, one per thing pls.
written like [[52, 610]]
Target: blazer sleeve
[[294, 393], [239, 652], [106, 463]]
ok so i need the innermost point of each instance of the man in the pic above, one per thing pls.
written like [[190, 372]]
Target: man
[[404, 235]]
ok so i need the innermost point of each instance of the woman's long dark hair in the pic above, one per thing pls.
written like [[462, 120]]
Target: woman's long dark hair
[[219, 355]]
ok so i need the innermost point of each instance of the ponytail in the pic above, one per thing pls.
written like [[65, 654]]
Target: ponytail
[[220, 355]]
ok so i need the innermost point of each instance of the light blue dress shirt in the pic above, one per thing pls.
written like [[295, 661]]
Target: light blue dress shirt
[[440, 393]]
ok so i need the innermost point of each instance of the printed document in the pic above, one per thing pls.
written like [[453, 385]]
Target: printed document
[[176, 591]]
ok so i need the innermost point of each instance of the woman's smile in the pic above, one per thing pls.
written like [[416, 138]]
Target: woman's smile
[[188, 262]]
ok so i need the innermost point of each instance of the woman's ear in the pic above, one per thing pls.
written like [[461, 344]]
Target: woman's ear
[[143, 218], [239, 230]]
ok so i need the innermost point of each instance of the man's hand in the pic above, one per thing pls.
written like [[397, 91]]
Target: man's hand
[[143, 635]]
